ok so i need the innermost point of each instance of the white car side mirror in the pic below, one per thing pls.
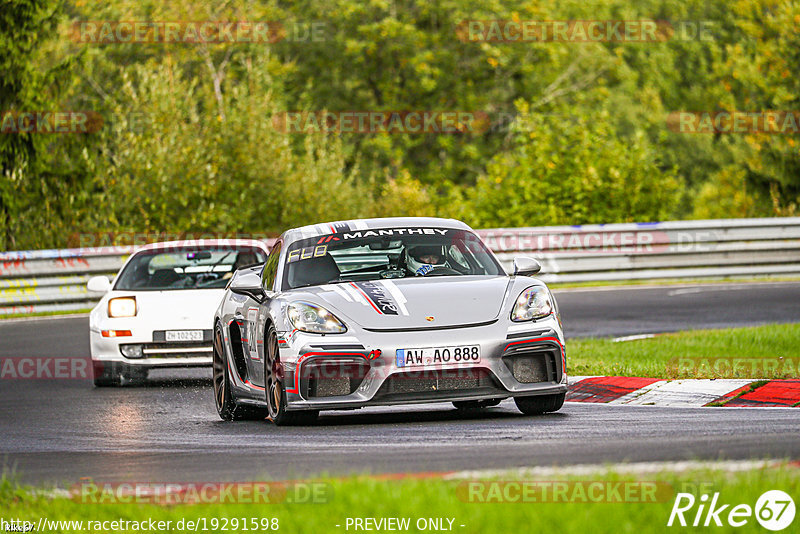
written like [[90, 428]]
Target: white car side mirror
[[98, 284], [524, 266]]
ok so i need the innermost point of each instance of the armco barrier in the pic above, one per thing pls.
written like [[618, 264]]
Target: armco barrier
[[639, 251], [54, 280], [50, 280]]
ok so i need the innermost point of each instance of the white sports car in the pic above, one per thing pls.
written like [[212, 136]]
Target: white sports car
[[161, 305]]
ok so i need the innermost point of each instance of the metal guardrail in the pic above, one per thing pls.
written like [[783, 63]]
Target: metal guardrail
[[51, 280], [640, 251], [36, 281]]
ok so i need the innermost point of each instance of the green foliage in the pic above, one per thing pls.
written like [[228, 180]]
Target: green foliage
[[174, 164], [763, 72], [573, 170], [725, 195], [41, 175], [577, 131]]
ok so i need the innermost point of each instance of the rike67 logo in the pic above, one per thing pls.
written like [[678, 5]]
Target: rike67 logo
[[774, 510]]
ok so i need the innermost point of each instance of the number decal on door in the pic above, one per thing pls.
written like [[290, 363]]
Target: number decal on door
[[252, 333]]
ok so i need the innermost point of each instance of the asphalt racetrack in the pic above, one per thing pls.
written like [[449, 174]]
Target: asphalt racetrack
[[168, 430]]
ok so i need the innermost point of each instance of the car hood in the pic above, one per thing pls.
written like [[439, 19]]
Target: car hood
[[166, 310], [413, 302]]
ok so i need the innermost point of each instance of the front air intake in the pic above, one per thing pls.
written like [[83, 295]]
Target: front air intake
[[439, 383], [533, 366], [331, 376]]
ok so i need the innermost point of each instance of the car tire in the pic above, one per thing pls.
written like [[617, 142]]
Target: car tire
[[105, 374], [223, 396], [540, 404], [227, 407], [110, 374], [476, 405], [275, 388]]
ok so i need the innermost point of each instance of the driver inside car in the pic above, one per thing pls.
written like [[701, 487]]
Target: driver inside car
[[422, 259]]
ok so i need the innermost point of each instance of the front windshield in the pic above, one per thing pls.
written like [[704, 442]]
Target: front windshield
[[185, 268], [386, 254]]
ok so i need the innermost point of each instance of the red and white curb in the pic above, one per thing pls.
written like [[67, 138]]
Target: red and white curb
[[638, 391]]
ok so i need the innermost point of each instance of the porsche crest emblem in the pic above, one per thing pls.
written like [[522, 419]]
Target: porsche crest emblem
[[429, 318]]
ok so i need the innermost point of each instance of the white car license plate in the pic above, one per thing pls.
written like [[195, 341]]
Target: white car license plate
[[432, 356], [184, 335]]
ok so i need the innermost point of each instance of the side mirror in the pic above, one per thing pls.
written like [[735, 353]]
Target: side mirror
[[248, 284], [98, 284], [524, 266]]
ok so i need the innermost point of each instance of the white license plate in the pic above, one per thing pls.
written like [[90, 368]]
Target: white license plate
[[184, 335], [433, 356]]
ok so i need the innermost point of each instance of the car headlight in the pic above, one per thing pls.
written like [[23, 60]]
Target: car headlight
[[131, 351], [314, 319], [533, 303], [122, 307]]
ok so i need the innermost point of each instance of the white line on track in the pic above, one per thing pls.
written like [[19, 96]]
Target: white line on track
[[687, 291], [635, 337]]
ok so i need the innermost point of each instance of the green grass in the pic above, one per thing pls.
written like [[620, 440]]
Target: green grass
[[771, 351], [363, 496]]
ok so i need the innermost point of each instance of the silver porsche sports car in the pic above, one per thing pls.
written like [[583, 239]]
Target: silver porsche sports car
[[385, 311]]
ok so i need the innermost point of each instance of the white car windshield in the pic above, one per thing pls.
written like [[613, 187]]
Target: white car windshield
[[385, 254], [185, 268]]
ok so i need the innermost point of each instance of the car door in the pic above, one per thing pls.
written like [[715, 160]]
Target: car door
[[243, 307], [257, 317]]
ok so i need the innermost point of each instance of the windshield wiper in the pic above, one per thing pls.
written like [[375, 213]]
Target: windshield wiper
[[197, 280]]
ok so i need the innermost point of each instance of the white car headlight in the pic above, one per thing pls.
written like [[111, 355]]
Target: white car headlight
[[314, 319], [533, 303], [131, 351], [122, 307]]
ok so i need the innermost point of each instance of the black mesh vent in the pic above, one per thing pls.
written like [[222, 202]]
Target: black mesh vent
[[331, 376], [438, 382], [535, 365]]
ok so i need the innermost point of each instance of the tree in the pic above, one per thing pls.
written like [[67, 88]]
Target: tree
[[42, 176], [566, 169]]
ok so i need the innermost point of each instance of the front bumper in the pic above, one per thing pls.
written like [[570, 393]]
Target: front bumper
[[344, 371], [156, 352]]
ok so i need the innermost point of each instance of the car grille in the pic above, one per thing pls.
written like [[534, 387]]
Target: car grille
[[176, 350], [437, 383]]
